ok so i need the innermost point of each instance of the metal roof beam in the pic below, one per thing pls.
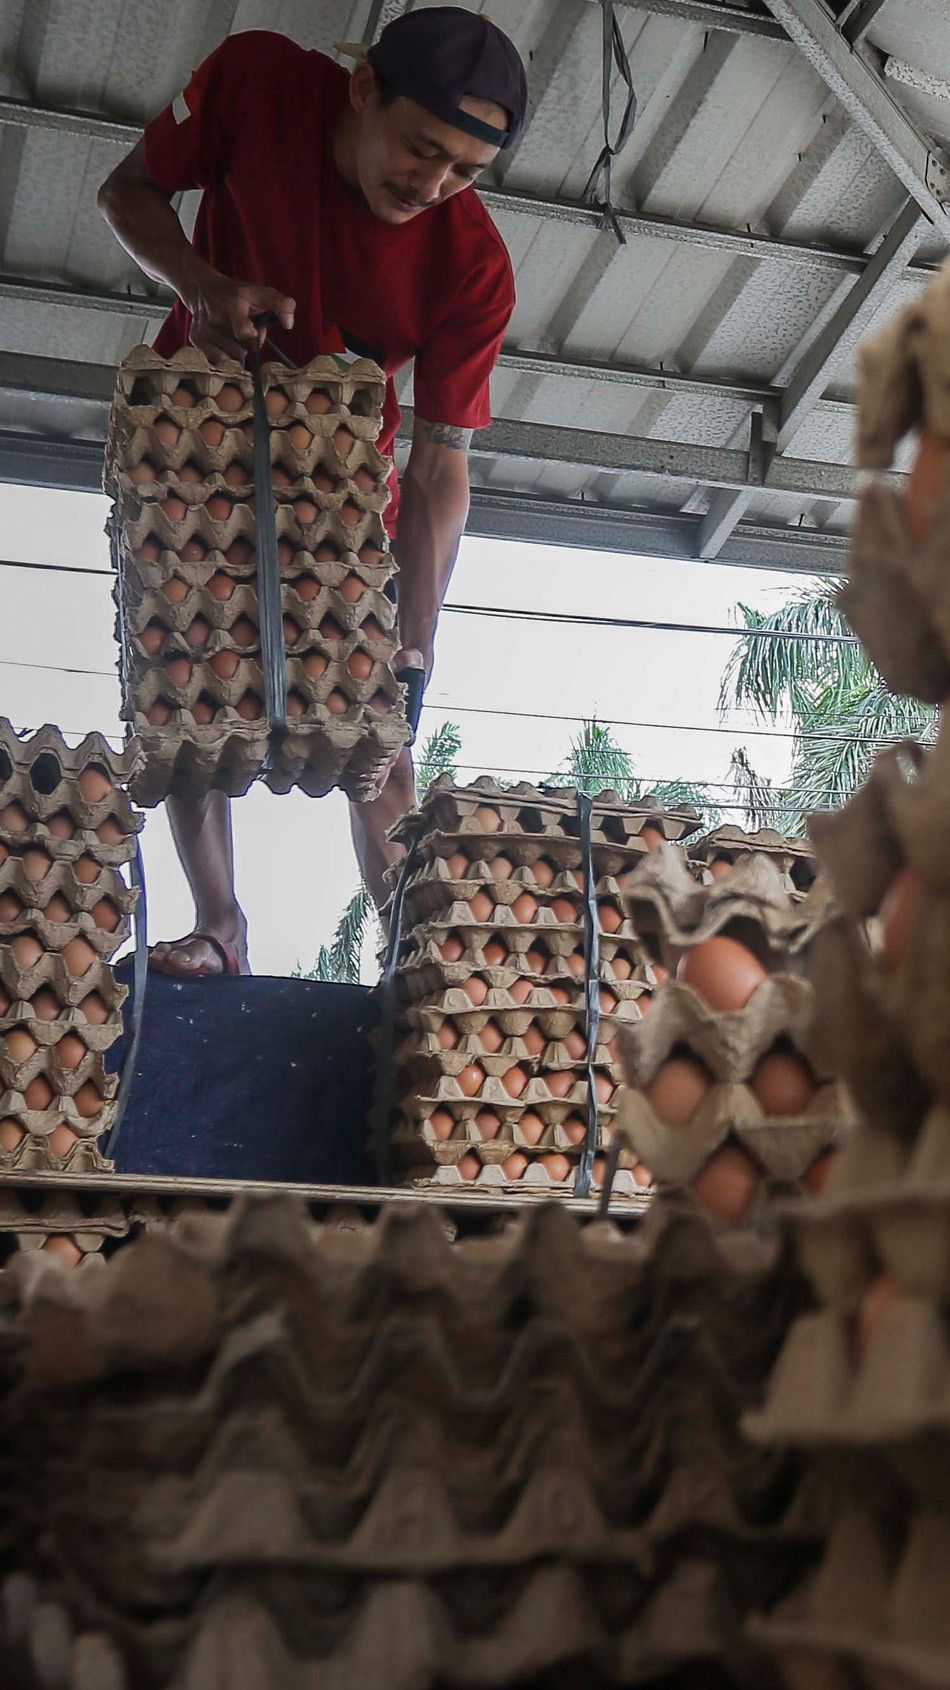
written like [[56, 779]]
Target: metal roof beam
[[857, 18], [915, 161], [708, 14], [747, 244]]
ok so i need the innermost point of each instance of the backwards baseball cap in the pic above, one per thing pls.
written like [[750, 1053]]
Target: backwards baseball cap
[[439, 55]]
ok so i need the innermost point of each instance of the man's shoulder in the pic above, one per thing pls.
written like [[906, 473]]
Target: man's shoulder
[[478, 242], [256, 50]]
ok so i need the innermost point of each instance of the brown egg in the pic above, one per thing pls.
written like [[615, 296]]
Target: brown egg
[[563, 910], [653, 836], [88, 1101], [78, 956], [487, 819], [558, 1166], [447, 1036], [323, 482], [109, 832], [296, 703], [882, 1294], [26, 949], [611, 919], [306, 511], [70, 1051], [514, 1080], [364, 480], [94, 1010], [247, 429], [230, 398], [371, 630], [280, 477], [306, 587], [677, 1089], [221, 586], [314, 664], [524, 909], [10, 907], [476, 990], [190, 474], [577, 875], [13, 818], [543, 872], [243, 632], [149, 551], [276, 403], [817, 1176], [560, 994], [5, 1001], [61, 1139], [898, 915], [239, 553], [219, 507], [167, 432], [292, 631], [337, 703], [318, 403], [178, 670], [502, 868], [470, 1079], [783, 1084], [174, 507], [45, 1006], [36, 864], [560, 1084], [607, 1000], [927, 485], [531, 1126], [729, 1183], [299, 436], [720, 867], [183, 397], [442, 1124], [457, 865], [61, 825], [575, 1127], [469, 1167], [60, 1245], [482, 907], [237, 475], [204, 710], [520, 990], [360, 665], [285, 555], [57, 909], [212, 431], [451, 948], [224, 664], [144, 473], [576, 1045], [722, 972], [491, 1038], [370, 554], [487, 1124], [380, 703], [19, 1045], [576, 965], [533, 1039], [350, 514], [344, 441], [250, 708], [536, 960], [11, 1134], [515, 1166], [39, 1093], [158, 713], [495, 953], [105, 915], [86, 870], [351, 589], [604, 1087], [153, 637]]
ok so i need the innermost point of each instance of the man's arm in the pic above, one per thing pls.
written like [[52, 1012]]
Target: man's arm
[[432, 515], [141, 217]]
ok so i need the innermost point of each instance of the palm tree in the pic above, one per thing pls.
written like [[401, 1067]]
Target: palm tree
[[822, 681], [340, 960], [595, 763]]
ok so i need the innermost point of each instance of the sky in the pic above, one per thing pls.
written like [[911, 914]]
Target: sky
[[517, 690]]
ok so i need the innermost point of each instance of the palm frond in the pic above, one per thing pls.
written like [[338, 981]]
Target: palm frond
[[671, 793], [439, 756], [771, 674], [340, 962], [596, 762]]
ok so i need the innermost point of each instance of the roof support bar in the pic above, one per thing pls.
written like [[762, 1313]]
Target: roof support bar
[[857, 18], [914, 160]]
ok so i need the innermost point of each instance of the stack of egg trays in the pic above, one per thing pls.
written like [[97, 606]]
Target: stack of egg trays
[[42, 810], [863, 1383], [897, 594], [715, 854], [383, 1461], [753, 906], [346, 720], [531, 826], [58, 1222]]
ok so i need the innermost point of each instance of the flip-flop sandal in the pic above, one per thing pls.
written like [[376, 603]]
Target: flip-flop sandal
[[227, 953]]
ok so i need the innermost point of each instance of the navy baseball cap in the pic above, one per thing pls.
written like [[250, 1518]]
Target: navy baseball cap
[[439, 55]]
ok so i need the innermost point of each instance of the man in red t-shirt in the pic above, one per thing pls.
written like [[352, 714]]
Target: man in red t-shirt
[[343, 205]]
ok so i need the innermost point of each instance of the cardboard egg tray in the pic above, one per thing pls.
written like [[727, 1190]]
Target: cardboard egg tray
[[26, 1226], [560, 944], [672, 913], [83, 898], [728, 846], [896, 595], [347, 542], [545, 813], [105, 830]]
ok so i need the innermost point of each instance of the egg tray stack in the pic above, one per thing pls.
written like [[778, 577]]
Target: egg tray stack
[[732, 1093], [491, 1084], [246, 1455], [180, 471], [67, 828], [717, 853], [863, 1383]]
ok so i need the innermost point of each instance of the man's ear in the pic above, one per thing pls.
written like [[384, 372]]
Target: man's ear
[[362, 86]]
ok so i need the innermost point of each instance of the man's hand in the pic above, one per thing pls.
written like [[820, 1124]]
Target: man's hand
[[222, 314]]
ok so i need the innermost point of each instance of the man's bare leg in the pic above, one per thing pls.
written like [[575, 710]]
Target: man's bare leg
[[205, 845], [369, 824]]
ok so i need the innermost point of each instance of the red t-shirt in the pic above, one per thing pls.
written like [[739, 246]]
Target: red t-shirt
[[253, 129]]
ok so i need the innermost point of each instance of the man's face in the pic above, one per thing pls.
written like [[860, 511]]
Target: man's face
[[406, 160]]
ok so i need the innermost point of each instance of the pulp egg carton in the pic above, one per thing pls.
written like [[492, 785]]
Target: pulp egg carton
[[672, 913], [560, 946], [352, 751], [897, 819], [487, 807], [424, 1023], [54, 1139], [730, 1046], [437, 895], [188, 760], [874, 1615], [896, 596], [532, 855], [716, 854], [61, 1215], [496, 911], [43, 801], [58, 905]]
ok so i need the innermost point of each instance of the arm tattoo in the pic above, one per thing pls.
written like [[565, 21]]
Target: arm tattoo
[[447, 434]]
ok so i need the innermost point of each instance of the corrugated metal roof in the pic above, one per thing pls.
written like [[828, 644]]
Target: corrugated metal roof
[[753, 199]]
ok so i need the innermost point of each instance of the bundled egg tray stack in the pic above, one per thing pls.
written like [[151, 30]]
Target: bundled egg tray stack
[[732, 1092], [379, 1462], [716, 854], [180, 472], [67, 828], [491, 1041]]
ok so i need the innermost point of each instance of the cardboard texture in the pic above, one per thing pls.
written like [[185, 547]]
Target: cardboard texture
[[184, 533], [373, 1459], [716, 853], [671, 912], [67, 826]]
